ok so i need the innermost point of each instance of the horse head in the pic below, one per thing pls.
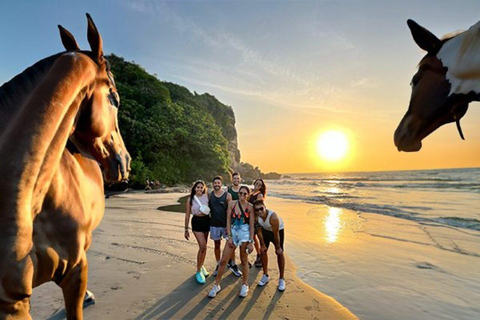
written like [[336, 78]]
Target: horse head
[[95, 132], [447, 80]]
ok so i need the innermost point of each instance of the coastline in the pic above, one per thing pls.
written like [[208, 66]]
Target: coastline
[[140, 267], [382, 267]]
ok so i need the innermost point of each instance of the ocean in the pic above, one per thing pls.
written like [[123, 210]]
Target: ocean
[[386, 245], [448, 196]]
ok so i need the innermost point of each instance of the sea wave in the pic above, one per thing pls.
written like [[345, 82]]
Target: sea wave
[[398, 211]]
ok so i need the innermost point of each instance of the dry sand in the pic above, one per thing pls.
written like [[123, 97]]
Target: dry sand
[[141, 267]]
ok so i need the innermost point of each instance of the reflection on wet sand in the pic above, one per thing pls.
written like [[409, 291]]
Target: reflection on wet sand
[[332, 224]]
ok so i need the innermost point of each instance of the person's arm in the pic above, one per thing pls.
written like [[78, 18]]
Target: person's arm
[[188, 209], [229, 223], [252, 227], [229, 198], [263, 246], [275, 222]]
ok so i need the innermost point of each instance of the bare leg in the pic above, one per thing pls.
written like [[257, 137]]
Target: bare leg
[[217, 249], [232, 256], [227, 253], [281, 265], [202, 248], [256, 243], [244, 258], [74, 286], [265, 261]]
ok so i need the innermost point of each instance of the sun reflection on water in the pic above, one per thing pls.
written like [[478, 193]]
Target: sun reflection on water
[[332, 224]]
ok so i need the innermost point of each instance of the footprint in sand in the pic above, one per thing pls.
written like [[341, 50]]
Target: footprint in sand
[[315, 306], [428, 266]]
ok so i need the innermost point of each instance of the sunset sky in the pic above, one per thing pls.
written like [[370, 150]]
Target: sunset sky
[[290, 69]]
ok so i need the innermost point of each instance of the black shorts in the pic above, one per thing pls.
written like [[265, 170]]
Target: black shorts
[[201, 224], [268, 237]]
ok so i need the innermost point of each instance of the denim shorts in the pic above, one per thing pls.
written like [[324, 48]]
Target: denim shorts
[[240, 233], [217, 233]]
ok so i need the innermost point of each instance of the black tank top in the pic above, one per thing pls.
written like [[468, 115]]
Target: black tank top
[[218, 210]]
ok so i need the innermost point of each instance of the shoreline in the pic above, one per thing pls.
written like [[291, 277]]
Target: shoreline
[[383, 267], [140, 267]]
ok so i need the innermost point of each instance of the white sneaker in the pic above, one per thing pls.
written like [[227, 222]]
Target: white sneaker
[[216, 289], [281, 285], [264, 280], [244, 291]]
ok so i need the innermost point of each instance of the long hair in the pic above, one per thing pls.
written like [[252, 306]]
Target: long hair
[[192, 192], [263, 188]]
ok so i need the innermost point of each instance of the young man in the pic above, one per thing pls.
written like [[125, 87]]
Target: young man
[[271, 230], [218, 202], [233, 191]]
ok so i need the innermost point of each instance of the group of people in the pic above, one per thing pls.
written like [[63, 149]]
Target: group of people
[[238, 215]]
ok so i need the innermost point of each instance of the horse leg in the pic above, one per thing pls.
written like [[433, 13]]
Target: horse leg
[[16, 289], [74, 287]]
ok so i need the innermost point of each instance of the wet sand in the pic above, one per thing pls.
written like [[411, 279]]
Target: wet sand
[[141, 267], [382, 267]]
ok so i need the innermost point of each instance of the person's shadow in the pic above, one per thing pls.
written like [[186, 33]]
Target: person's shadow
[[181, 297]]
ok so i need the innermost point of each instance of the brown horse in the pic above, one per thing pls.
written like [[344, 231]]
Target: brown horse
[[58, 121], [448, 79]]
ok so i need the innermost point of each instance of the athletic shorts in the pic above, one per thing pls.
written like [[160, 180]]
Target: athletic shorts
[[240, 234], [268, 237], [201, 224], [217, 233]]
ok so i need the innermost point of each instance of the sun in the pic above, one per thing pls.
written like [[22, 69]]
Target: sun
[[332, 145]]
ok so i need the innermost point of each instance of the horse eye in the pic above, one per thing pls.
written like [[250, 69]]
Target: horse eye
[[113, 98]]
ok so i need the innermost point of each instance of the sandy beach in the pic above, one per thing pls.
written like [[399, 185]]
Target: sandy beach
[[141, 267]]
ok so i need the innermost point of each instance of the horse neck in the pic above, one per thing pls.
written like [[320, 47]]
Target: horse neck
[[32, 145], [461, 56], [14, 93]]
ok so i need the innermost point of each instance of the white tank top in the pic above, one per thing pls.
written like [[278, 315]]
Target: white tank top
[[266, 224]]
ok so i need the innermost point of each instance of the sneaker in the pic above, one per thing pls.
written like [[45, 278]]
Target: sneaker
[[264, 280], [235, 271], [89, 299], [216, 289], [200, 278], [216, 271], [281, 285], [205, 272], [244, 291]]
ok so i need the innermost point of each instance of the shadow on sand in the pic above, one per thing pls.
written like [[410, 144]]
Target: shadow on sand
[[188, 302]]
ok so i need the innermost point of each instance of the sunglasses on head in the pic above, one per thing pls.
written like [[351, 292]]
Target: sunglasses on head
[[242, 193], [259, 209]]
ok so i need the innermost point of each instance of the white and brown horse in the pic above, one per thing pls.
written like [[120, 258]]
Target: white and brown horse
[[58, 122], [448, 79]]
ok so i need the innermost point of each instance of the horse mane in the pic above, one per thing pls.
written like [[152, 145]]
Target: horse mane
[[14, 92]]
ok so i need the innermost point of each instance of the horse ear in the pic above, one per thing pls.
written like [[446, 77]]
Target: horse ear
[[95, 40], [68, 40], [424, 38]]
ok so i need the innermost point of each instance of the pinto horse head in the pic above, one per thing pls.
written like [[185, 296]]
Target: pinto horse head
[[447, 80], [96, 133]]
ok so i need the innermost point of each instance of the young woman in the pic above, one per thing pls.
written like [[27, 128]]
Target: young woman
[[259, 192], [200, 225], [240, 224]]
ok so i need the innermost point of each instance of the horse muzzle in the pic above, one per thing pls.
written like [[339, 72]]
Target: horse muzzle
[[117, 168], [405, 140]]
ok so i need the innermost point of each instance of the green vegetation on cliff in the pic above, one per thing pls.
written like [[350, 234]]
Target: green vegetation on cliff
[[170, 136], [173, 135]]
